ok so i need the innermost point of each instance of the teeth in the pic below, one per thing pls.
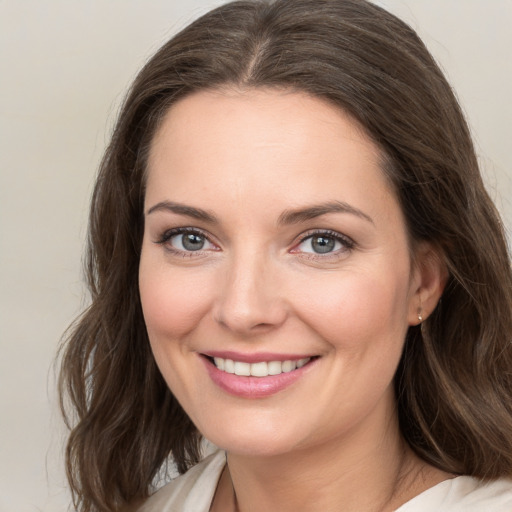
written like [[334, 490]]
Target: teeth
[[242, 369], [288, 366], [229, 366], [261, 369], [302, 362], [274, 367]]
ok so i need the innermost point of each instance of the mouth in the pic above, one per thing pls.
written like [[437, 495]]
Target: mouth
[[260, 368], [255, 376]]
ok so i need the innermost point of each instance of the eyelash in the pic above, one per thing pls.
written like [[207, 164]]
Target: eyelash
[[347, 243], [167, 235]]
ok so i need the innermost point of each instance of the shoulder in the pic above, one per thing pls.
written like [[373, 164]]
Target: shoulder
[[463, 494], [190, 492]]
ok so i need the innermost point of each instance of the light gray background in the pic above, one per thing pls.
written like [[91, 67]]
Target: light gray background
[[65, 66]]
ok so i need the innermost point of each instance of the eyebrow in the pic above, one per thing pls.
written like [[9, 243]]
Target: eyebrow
[[311, 212], [181, 209], [287, 217]]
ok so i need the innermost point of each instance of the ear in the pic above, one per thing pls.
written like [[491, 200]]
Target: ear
[[428, 280]]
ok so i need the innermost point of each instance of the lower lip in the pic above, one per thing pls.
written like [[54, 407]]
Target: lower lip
[[254, 387]]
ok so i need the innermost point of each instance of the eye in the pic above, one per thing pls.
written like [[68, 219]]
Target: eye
[[324, 242], [319, 244], [186, 240]]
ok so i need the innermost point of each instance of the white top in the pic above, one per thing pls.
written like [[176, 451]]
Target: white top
[[193, 492]]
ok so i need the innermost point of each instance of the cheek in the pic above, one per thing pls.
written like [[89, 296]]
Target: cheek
[[172, 301], [358, 309], [363, 320]]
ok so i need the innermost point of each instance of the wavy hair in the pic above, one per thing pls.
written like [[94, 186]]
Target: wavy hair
[[454, 381]]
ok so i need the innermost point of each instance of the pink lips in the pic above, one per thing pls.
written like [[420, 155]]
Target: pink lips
[[254, 387]]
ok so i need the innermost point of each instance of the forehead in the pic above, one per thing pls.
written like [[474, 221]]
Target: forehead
[[283, 108], [238, 144], [286, 111]]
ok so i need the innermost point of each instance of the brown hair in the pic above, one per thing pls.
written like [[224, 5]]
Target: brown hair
[[454, 382]]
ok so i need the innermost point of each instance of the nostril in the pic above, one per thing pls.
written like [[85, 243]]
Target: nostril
[[251, 320]]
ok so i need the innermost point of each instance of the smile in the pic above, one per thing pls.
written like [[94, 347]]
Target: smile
[[259, 369], [256, 376]]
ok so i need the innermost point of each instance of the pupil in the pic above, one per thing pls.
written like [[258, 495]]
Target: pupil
[[192, 242], [322, 244]]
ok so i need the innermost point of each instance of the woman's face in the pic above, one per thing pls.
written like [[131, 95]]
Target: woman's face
[[272, 241]]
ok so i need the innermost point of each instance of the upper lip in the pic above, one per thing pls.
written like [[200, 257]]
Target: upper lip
[[254, 357]]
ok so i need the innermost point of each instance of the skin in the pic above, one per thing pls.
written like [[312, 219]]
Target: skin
[[248, 157]]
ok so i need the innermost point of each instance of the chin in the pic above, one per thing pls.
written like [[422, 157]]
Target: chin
[[254, 447], [263, 439]]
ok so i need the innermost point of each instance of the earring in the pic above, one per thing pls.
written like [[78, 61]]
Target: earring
[[420, 317]]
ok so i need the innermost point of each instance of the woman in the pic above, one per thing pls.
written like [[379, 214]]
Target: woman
[[292, 254]]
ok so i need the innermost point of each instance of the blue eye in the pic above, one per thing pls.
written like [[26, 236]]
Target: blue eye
[[324, 243], [186, 240]]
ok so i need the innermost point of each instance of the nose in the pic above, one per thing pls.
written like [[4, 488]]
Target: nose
[[250, 299]]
